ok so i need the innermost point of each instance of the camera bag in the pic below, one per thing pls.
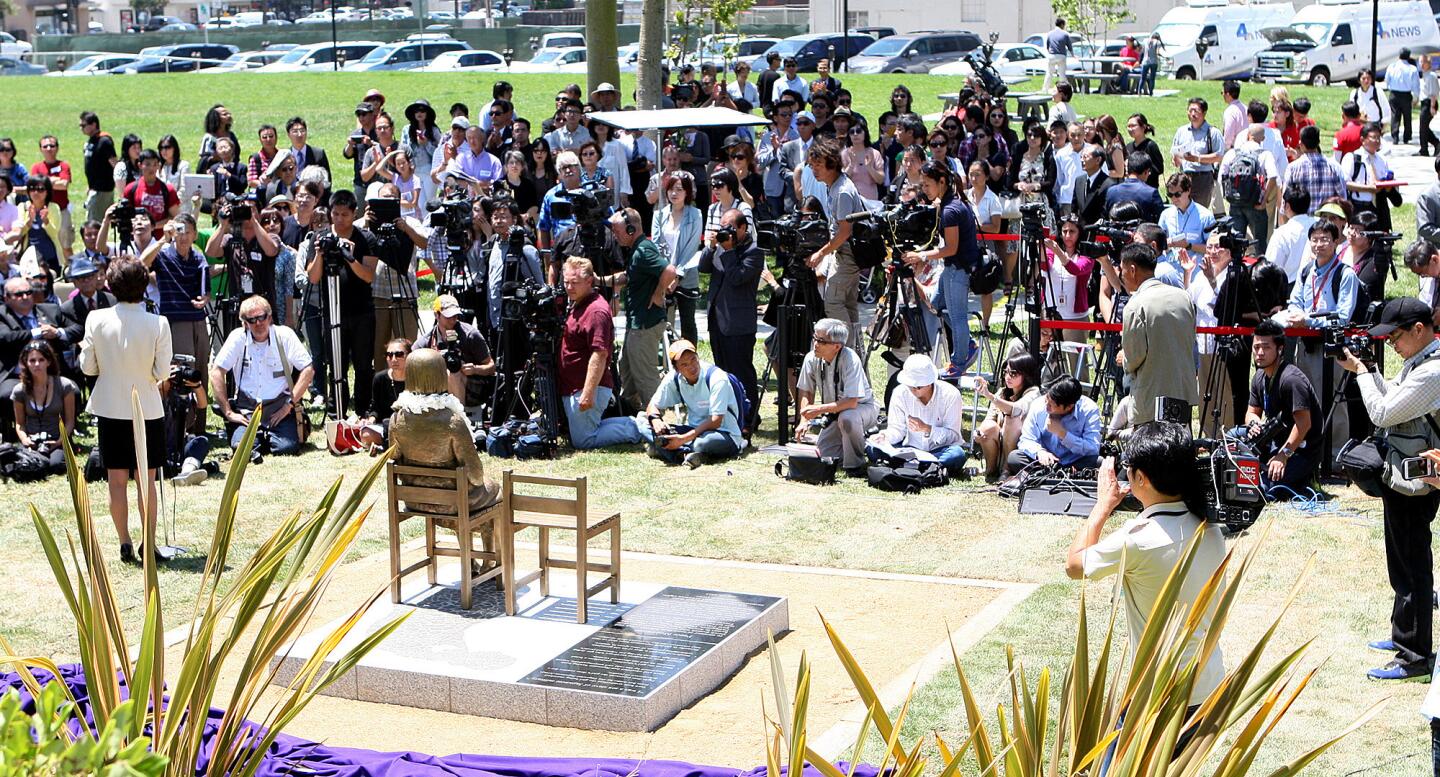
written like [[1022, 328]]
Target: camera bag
[[21, 464], [807, 467], [908, 477], [987, 274], [1364, 463]]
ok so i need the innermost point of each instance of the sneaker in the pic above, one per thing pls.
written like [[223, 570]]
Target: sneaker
[[191, 474], [970, 358], [1383, 645], [1399, 670]]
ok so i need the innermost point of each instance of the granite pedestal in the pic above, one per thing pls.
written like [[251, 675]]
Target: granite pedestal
[[631, 667]]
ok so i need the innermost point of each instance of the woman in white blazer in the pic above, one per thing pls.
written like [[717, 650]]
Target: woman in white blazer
[[129, 351]]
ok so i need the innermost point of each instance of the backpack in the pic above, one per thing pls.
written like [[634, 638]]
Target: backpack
[[1245, 179], [737, 388], [21, 464]]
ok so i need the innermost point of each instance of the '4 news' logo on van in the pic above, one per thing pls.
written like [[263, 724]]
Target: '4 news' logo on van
[[1401, 31], [1245, 33]]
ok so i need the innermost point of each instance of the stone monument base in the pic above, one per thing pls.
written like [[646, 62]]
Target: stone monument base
[[630, 668]]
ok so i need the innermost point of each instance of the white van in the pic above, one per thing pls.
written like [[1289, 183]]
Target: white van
[[1231, 34], [1330, 40]]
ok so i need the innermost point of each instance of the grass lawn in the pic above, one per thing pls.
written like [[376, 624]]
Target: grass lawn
[[741, 510]]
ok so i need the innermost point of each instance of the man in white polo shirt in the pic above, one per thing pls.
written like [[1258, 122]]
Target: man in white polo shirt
[[272, 372]]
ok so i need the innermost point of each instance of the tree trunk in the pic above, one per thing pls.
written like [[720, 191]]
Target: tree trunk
[[652, 54], [600, 44]]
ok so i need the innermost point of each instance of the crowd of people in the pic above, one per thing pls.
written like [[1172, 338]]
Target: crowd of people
[[263, 280]]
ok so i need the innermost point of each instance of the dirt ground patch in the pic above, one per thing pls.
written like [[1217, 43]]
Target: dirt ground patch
[[724, 728]]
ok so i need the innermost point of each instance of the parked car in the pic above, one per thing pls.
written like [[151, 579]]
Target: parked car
[[154, 23], [809, 49], [179, 27], [451, 61], [245, 61], [320, 56], [406, 54], [561, 40], [318, 17], [712, 48], [95, 65], [875, 32], [10, 66], [913, 52], [566, 60], [178, 58], [1011, 61], [438, 15], [629, 57], [10, 46]]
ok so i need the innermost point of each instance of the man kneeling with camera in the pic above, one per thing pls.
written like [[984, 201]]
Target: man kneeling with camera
[[1160, 463], [1403, 411], [1063, 431], [711, 431], [263, 357], [185, 405], [1282, 406], [467, 357], [833, 393]]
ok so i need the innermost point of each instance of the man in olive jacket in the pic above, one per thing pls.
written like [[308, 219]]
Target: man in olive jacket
[[1157, 336]]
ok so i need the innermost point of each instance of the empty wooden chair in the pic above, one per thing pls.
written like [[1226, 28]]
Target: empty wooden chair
[[559, 513], [448, 508]]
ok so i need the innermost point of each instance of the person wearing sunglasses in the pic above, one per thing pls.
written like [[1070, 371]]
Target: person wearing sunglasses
[[58, 171], [272, 372], [9, 168], [182, 276]]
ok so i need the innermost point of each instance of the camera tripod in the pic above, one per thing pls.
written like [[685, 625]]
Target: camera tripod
[[223, 312], [793, 314]]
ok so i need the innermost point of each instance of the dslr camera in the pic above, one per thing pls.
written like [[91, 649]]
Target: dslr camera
[[184, 370]]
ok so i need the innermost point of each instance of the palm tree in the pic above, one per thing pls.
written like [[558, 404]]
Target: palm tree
[[601, 65]]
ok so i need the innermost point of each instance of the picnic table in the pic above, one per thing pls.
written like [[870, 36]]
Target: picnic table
[[1032, 104], [1092, 81]]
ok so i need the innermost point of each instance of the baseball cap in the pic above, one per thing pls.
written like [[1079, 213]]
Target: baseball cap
[[446, 305], [460, 122], [918, 371], [364, 108], [1399, 313], [805, 116], [679, 348]]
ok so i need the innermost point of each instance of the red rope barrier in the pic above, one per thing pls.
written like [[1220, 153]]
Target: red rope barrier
[[1086, 326]]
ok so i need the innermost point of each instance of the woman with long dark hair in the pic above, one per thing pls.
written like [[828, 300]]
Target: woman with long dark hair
[[127, 169], [999, 123], [987, 210], [999, 433], [1140, 131], [955, 254], [1067, 277], [520, 186], [11, 170], [862, 163], [542, 166], [40, 226], [676, 228], [422, 139], [911, 162], [901, 100], [173, 169], [43, 401], [218, 122]]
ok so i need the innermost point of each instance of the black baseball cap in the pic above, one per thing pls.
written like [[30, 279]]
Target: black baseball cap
[[1400, 313]]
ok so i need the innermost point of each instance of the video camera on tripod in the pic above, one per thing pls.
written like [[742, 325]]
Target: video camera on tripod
[[892, 232], [1336, 337], [1116, 235], [453, 216], [335, 254], [795, 236], [982, 63], [588, 206], [122, 219]]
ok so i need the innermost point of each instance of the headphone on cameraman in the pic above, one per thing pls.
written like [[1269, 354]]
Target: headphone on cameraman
[[625, 217]]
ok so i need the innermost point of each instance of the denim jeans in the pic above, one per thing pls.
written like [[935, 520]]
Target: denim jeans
[[284, 438], [1147, 78], [714, 445], [954, 297], [590, 429]]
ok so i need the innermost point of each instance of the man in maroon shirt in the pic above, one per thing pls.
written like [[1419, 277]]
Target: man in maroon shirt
[[59, 173], [153, 195], [584, 370], [1348, 137]]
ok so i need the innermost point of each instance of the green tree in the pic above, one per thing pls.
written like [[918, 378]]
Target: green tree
[[652, 45], [696, 18], [601, 44], [1092, 19]]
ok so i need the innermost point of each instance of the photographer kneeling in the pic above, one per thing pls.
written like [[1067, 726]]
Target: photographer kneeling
[[833, 384], [185, 404], [264, 355], [1403, 412], [1160, 462], [926, 416], [1064, 430], [711, 431], [1281, 394], [467, 357]]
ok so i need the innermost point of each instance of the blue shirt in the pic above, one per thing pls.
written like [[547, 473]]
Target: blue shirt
[[955, 213], [711, 395], [549, 223], [1082, 432], [1142, 194], [180, 281], [1305, 299]]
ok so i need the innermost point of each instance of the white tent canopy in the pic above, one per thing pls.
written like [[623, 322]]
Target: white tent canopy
[[677, 118]]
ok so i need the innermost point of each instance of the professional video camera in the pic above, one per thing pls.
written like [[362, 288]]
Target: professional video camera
[[1108, 237], [588, 206], [905, 227], [797, 235], [1032, 220], [122, 218], [1337, 337], [533, 304], [982, 62], [335, 255], [1228, 475], [453, 217], [236, 209], [1232, 236], [183, 369]]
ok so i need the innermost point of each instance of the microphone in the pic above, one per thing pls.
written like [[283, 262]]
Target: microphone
[[861, 215]]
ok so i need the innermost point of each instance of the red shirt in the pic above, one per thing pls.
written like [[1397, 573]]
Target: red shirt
[[60, 171], [588, 328], [156, 201], [1347, 138]]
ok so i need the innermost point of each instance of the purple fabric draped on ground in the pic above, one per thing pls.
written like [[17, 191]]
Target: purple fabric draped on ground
[[291, 756]]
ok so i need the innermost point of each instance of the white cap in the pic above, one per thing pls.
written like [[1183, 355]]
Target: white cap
[[918, 371], [605, 87]]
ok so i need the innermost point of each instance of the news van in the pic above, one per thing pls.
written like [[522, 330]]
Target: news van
[[1330, 40], [1230, 34]]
